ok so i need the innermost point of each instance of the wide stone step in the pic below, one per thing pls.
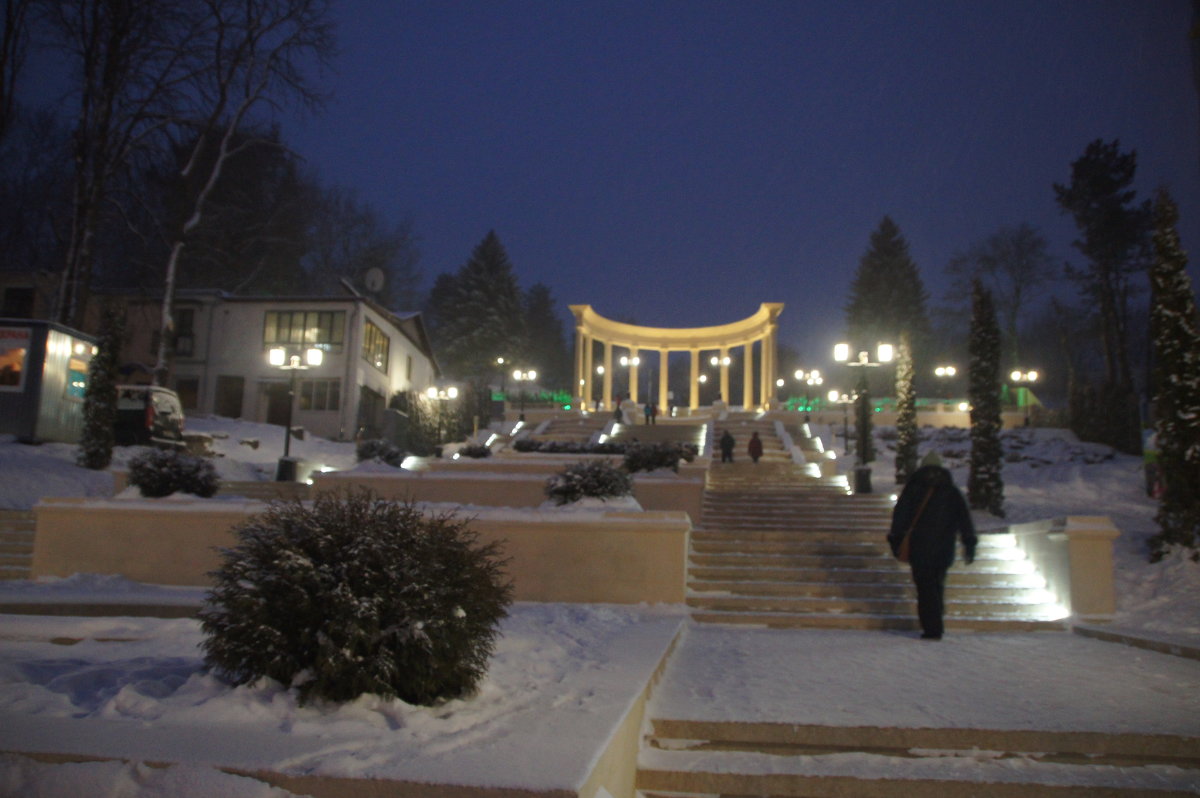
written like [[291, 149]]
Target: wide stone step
[[688, 773], [16, 559], [867, 621], [863, 590], [896, 573], [18, 571], [788, 739], [792, 556], [987, 543], [867, 606]]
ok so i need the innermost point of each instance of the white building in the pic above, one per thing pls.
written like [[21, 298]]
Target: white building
[[221, 364]]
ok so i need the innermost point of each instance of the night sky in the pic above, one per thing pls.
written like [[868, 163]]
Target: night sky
[[678, 163]]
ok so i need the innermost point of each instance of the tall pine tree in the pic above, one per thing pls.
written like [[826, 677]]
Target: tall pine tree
[[100, 398], [906, 412], [1175, 330], [887, 296], [1114, 238], [476, 314], [548, 351], [985, 486]]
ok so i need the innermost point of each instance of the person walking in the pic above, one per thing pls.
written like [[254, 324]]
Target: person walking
[[754, 448], [932, 514], [727, 444]]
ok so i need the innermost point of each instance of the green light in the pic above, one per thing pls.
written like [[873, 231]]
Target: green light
[[566, 407]]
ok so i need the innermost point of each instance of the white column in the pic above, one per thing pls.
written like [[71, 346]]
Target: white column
[[589, 373], [633, 376], [663, 358], [748, 376], [694, 381], [608, 375], [723, 353]]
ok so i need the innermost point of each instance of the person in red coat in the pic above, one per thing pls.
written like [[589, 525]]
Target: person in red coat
[[754, 448]]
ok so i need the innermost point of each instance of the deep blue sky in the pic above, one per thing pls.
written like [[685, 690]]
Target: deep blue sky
[[677, 163]]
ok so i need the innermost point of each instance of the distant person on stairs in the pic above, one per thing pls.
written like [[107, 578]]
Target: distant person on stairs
[[932, 512], [727, 444], [754, 448]]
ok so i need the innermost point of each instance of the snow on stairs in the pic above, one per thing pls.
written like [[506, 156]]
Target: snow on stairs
[[718, 758], [16, 543], [779, 548]]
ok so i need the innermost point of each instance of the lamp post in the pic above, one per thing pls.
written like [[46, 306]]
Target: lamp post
[[1019, 377], [441, 396], [280, 358], [845, 401], [944, 375], [811, 379], [884, 354], [522, 376]]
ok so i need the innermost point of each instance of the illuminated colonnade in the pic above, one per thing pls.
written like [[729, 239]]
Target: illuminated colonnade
[[591, 327]]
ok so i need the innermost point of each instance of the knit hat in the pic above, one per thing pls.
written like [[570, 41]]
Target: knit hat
[[932, 459]]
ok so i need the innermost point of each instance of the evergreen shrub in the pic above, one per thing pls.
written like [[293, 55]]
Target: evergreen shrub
[[476, 450], [353, 594], [161, 472], [382, 450], [653, 456], [597, 479]]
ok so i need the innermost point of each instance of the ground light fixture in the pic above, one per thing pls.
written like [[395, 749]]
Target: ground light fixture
[[291, 361]]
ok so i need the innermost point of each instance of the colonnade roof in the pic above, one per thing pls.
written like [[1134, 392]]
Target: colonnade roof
[[748, 330]]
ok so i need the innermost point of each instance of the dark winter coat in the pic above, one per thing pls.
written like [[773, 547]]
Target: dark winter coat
[[755, 447], [727, 443], [944, 518]]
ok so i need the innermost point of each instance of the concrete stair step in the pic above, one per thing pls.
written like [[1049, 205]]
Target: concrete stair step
[[1079, 747], [23, 546], [861, 590], [777, 555], [680, 774], [897, 574], [15, 571], [1007, 610], [867, 621], [16, 559]]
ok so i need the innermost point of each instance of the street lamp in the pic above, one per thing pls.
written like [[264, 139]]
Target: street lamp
[[944, 375], [441, 396], [1019, 376], [845, 401], [884, 354], [280, 358], [523, 376], [811, 379]]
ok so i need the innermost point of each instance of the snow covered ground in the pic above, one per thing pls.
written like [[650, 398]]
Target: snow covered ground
[[563, 674]]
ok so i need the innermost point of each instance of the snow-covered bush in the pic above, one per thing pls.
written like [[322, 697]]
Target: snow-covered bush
[[476, 450], [382, 450], [353, 595], [598, 479], [653, 456], [161, 472]]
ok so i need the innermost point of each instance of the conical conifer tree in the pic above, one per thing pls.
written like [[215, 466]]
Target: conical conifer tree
[[477, 314], [985, 486], [887, 296], [906, 412], [1176, 339], [100, 398]]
